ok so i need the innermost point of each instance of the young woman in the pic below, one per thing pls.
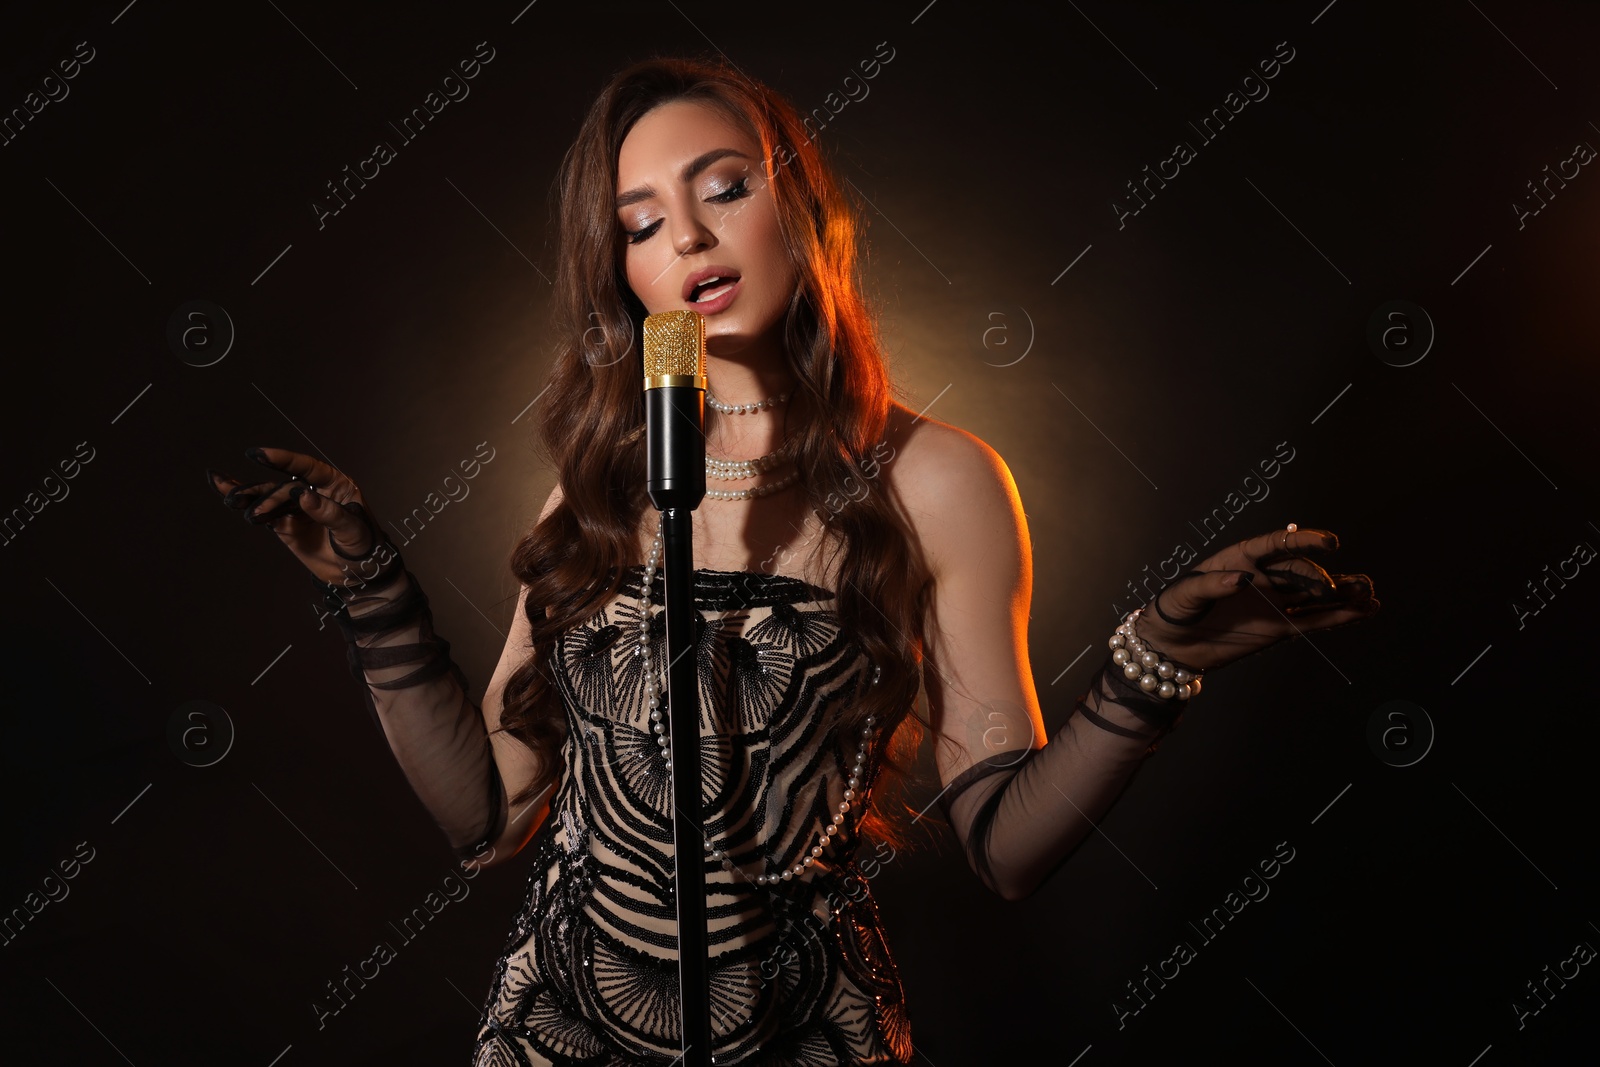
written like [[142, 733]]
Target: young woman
[[852, 551]]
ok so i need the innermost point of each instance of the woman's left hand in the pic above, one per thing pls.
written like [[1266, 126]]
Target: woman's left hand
[[1252, 595]]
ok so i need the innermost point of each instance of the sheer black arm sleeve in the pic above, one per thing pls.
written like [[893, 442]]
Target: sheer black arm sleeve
[[1019, 814], [417, 696]]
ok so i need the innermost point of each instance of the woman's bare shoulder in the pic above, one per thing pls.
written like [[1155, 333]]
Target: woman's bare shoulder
[[955, 490], [931, 459]]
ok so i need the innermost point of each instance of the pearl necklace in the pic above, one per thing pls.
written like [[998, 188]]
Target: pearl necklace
[[658, 724], [744, 409], [755, 490], [734, 469]]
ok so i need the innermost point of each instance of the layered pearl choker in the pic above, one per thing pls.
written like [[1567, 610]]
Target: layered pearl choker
[[654, 685], [755, 490], [735, 469], [731, 469], [744, 409]]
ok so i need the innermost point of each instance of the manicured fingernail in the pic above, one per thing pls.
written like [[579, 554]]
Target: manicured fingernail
[[296, 490], [1244, 577], [255, 454], [211, 478]]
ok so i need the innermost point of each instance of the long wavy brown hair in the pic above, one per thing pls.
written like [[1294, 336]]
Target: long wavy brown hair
[[592, 428]]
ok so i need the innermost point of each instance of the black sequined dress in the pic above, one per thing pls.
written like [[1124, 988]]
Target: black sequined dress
[[800, 970], [801, 974]]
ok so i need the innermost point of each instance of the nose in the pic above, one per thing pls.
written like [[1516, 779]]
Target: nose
[[692, 234]]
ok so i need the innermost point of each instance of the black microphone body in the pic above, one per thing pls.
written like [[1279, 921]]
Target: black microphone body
[[675, 427]]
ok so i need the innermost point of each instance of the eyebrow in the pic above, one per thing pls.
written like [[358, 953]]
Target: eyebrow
[[696, 165]]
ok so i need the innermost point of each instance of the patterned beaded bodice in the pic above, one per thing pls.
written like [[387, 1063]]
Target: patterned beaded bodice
[[800, 971]]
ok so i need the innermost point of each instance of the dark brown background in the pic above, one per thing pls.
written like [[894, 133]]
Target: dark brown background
[[1230, 315]]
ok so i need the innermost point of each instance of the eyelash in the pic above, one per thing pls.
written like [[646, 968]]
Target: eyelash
[[737, 191]]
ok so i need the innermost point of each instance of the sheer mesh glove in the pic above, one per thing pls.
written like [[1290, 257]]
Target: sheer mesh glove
[[1251, 595], [1020, 813], [414, 692], [318, 513]]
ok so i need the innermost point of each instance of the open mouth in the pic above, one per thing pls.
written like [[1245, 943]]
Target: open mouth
[[712, 288]]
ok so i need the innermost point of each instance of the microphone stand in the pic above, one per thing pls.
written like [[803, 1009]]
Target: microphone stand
[[683, 691], [675, 414]]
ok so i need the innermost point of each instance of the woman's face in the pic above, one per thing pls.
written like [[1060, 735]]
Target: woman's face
[[694, 204]]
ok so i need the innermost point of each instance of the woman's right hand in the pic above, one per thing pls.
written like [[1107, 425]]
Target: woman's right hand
[[317, 512]]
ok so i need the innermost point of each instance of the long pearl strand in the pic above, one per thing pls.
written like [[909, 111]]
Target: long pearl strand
[[658, 725]]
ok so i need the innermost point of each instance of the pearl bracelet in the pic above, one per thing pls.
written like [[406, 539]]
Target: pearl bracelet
[[1144, 667]]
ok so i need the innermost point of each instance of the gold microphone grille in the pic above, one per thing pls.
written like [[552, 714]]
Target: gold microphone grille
[[674, 346]]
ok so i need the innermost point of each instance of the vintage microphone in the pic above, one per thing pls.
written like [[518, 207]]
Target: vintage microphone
[[675, 425]]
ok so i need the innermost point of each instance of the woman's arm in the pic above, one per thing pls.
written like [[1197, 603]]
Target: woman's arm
[[416, 695], [1018, 804], [462, 770]]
